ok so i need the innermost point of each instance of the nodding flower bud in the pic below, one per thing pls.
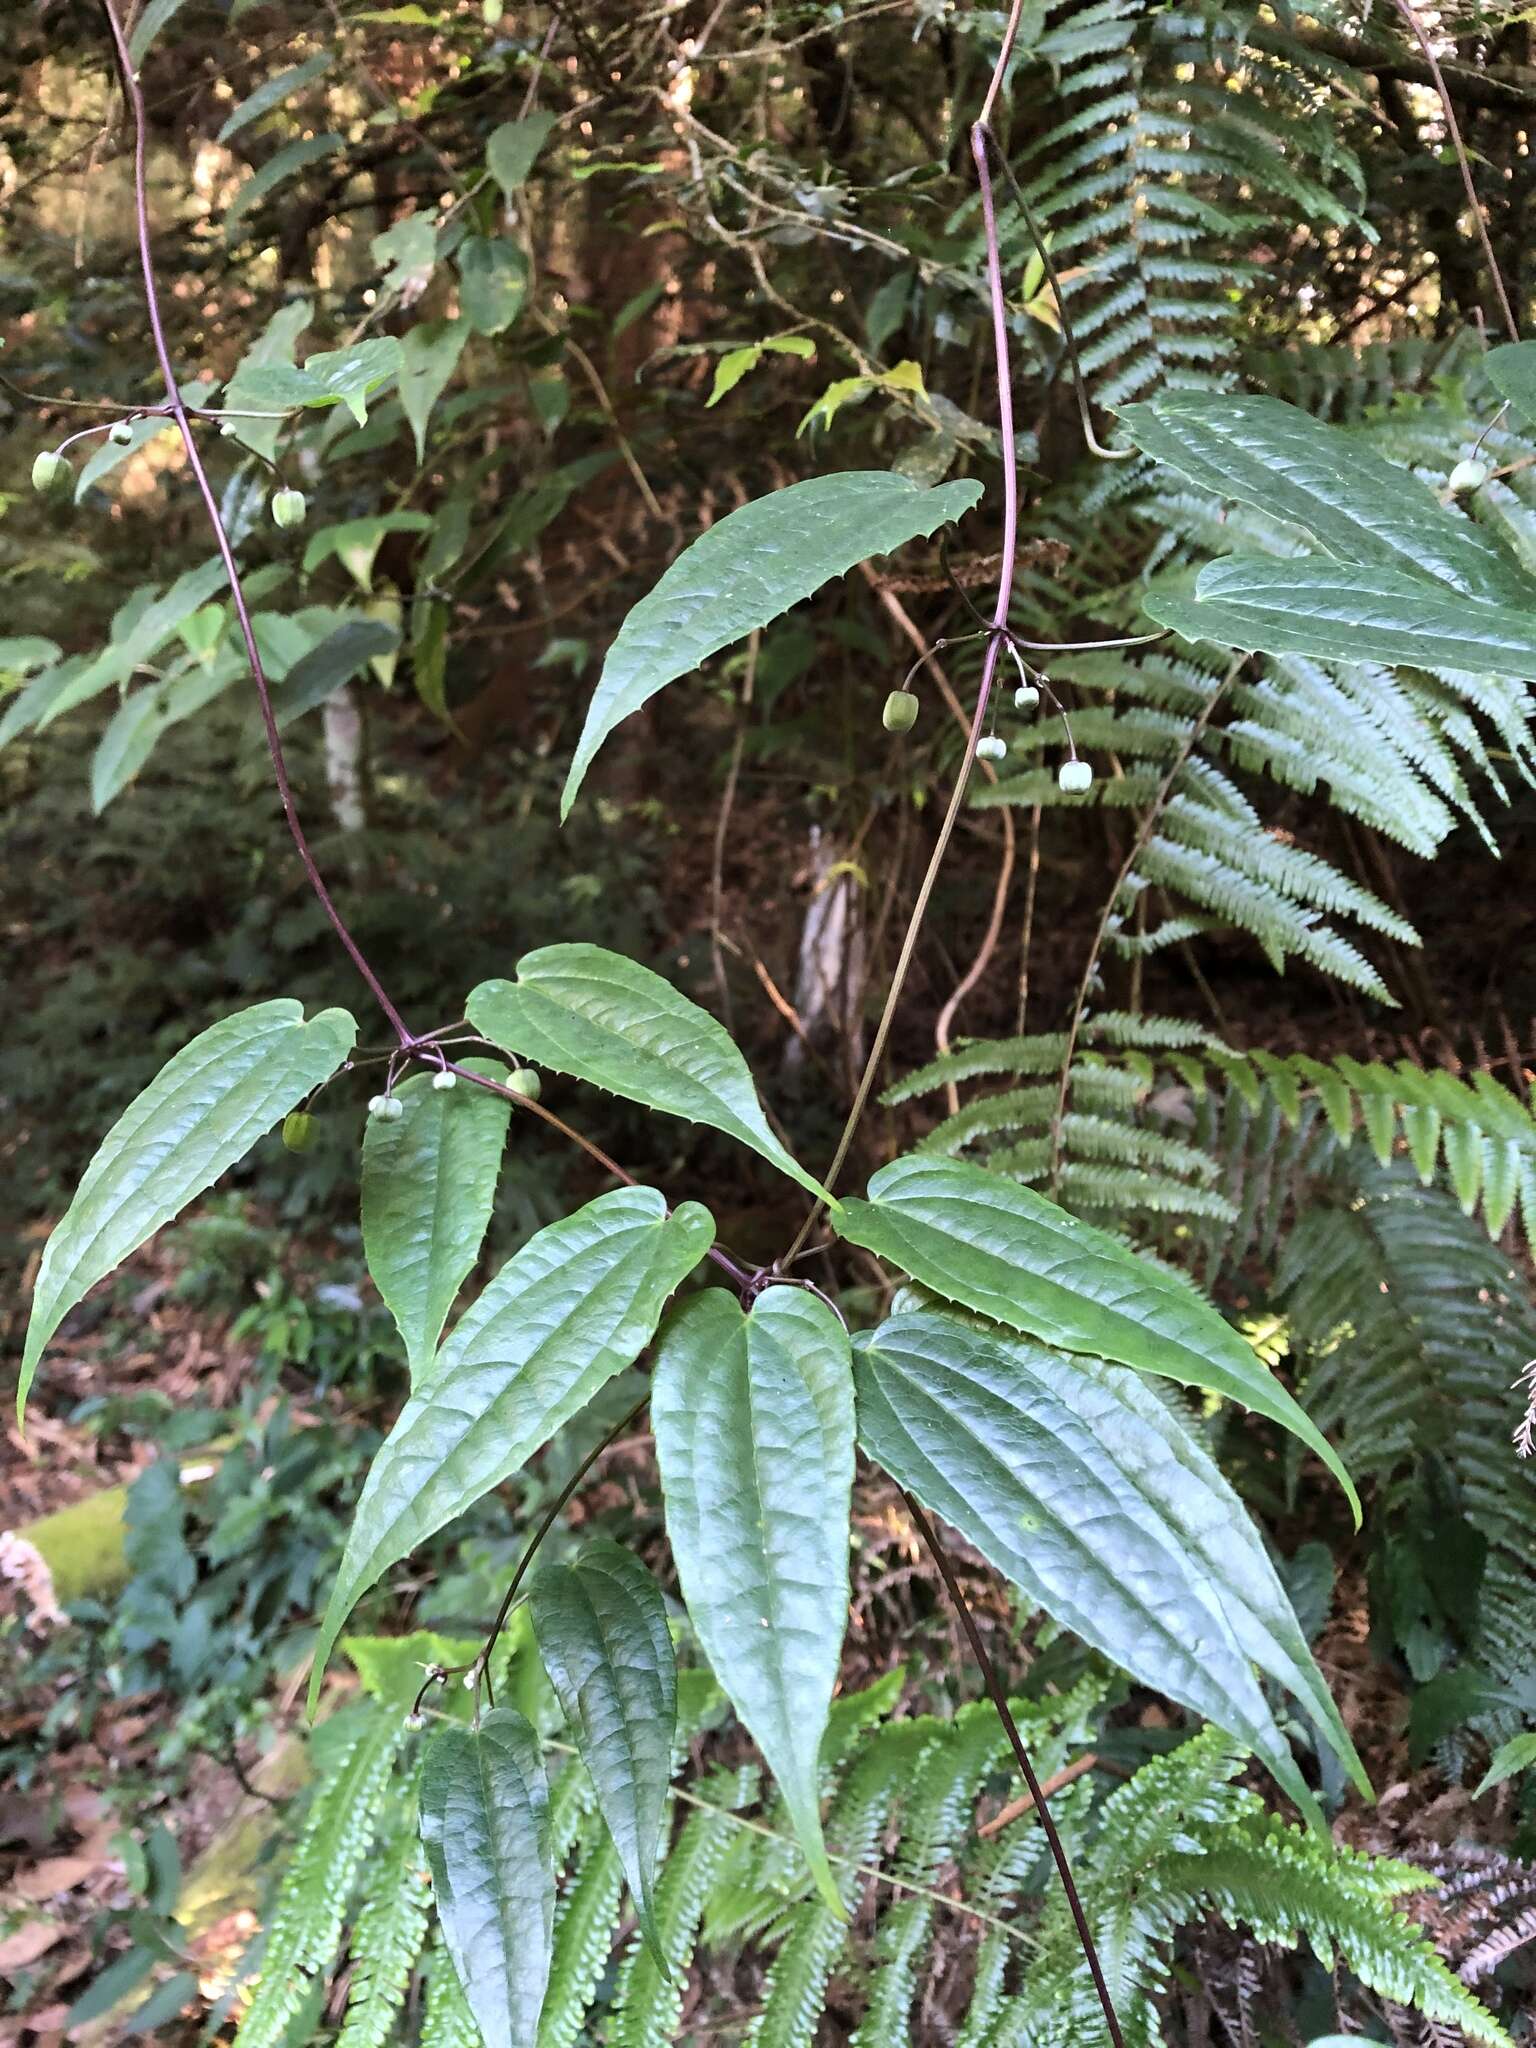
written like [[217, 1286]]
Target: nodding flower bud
[[900, 713], [122, 434], [288, 508], [1074, 777], [378, 1105], [1026, 698], [1469, 475], [49, 471], [414, 1721], [524, 1081], [992, 748], [443, 1079]]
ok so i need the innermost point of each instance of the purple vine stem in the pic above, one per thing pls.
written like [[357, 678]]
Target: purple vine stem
[[997, 630], [178, 412]]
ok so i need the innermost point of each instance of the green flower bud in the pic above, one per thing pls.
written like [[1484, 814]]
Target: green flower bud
[[1469, 475], [524, 1081], [992, 748], [1026, 698], [378, 1105], [288, 508], [49, 471], [298, 1130], [443, 1079], [900, 713], [122, 434], [1074, 777]]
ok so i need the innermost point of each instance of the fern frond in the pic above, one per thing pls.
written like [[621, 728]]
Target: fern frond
[[647, 2005], [304, 1931], [586, 1922], [1282, 1883], [447, 2021], [1414, 1325], [388, 1937]]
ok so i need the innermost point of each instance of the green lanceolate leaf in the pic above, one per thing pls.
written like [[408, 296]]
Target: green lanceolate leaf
[[601, 1625], [1290, 466], [746, 569], [485, 1828], [198, 1117], [1075, 1480], [429, 1180], [512, 148], [335, 660], [1339, 612], [272, 92], [493, 282], [754, 1435], [1011, 1254], [585, 1011], [577, 1304], [1512, 373], [338, 376], [284, 164], [430, 356]]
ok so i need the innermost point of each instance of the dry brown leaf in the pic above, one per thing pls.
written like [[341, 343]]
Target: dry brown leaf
[[28, 1943], [56, 1874]]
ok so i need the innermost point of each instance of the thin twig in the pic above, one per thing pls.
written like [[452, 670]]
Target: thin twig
[[723, 827], [1008, 446], [179, 414], [1026, 1769], [978, 967], [1058, 1781], [1410, 14], [1027, 929], [552, 1515], [984, 951], [421, 1050], [873, 1871], [1069, 339]]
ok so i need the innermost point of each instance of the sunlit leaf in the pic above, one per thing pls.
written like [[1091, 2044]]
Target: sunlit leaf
[[606, 1019], [1074, 1479], [199, 1116], [601, 1626], [493, 281], [1009, 1253], [431, 355], [272, 92], [576, 1305], [1326, 481], [429, 1182], [754, 1426], [512, 148], [744, 571]]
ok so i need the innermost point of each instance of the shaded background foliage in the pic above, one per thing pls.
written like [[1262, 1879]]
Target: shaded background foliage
[[1232, 198]]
